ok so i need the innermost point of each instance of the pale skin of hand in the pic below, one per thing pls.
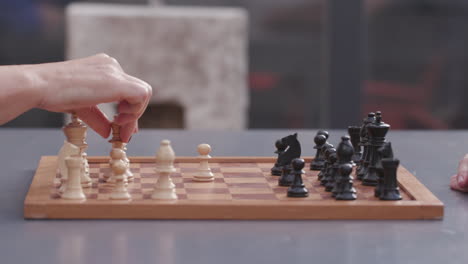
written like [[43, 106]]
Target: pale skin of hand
[[75, 86], [459, 181]]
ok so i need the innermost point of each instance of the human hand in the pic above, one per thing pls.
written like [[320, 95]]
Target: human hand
[[459, 181], [80, 85]]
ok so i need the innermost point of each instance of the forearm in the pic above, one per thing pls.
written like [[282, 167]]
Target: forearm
[[19, 91]]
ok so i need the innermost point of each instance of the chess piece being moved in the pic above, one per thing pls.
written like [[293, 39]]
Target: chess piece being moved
[[293, 151], [390, 191], [119, 192], [278, 168], [319, 160], [73, 190], [354, 133], [345, 189], [67, 150], [165, 157], [204, 173], [361, 170], [297, 188], [377, 132], [75, 133], [117, 142]]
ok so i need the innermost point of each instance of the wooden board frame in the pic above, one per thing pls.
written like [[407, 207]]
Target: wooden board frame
[[38, 204]]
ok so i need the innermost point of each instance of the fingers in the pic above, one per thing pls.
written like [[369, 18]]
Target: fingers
[[127, 130], [95, 119]]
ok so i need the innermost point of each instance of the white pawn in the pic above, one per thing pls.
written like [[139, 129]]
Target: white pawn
[[116, 154], [86, 181], [164, 188], [128, 172], [119, 192], [74, 191], [204, 173], [67, 150]]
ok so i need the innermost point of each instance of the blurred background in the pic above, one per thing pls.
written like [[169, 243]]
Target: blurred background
[[311, 63]]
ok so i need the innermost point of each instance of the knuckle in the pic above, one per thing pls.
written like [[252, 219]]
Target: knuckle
[[102, 55]]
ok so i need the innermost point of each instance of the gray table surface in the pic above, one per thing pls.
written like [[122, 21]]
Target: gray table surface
[[431, 156]]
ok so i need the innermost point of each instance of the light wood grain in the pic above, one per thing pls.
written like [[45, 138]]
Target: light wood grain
[[39, 205]]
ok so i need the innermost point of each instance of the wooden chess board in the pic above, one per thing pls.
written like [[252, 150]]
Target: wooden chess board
[[243, 189]]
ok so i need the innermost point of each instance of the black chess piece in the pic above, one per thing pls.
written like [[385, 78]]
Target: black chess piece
[[347, 191], [286, 177], [332, 171], [325, 164], [319, 160], [278, 168], [293, 150], [326, 174], [297, 188], [343, 188], [390, 191], [361, 170], [324, 133], [377, 132], [385, 152], [355, 133]]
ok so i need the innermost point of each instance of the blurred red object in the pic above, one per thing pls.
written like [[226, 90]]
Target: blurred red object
[[262, 81], [404, 105]]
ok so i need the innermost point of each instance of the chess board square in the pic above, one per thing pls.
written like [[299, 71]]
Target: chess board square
[[254, 196], [240, 165], [204, 185], [246, 180], [265, 165], [187, 165], [249, 185], [147, 170], [209, 196], [240, 170], [242, 175], [247, 190], [207, 190]]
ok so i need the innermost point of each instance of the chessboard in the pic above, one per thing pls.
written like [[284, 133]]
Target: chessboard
[[243, 189]]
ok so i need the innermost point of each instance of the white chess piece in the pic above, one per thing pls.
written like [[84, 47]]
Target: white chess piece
[[204, 173], [86, 181], [74, 190], [67, 150], [116, 155], [128, 172], [119, 192], [164, 188]]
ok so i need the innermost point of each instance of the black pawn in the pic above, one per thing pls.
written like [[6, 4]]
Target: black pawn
[[332, 172], [319, 160], [325, 165], [287, 177], [355, 133], [390, 191], [278, 168], [347, 191], [298, 189], [328, 166]]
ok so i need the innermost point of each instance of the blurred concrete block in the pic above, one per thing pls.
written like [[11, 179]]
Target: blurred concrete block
[[192, 56]]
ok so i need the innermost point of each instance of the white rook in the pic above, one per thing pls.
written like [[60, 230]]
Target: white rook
[[194, 56]]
